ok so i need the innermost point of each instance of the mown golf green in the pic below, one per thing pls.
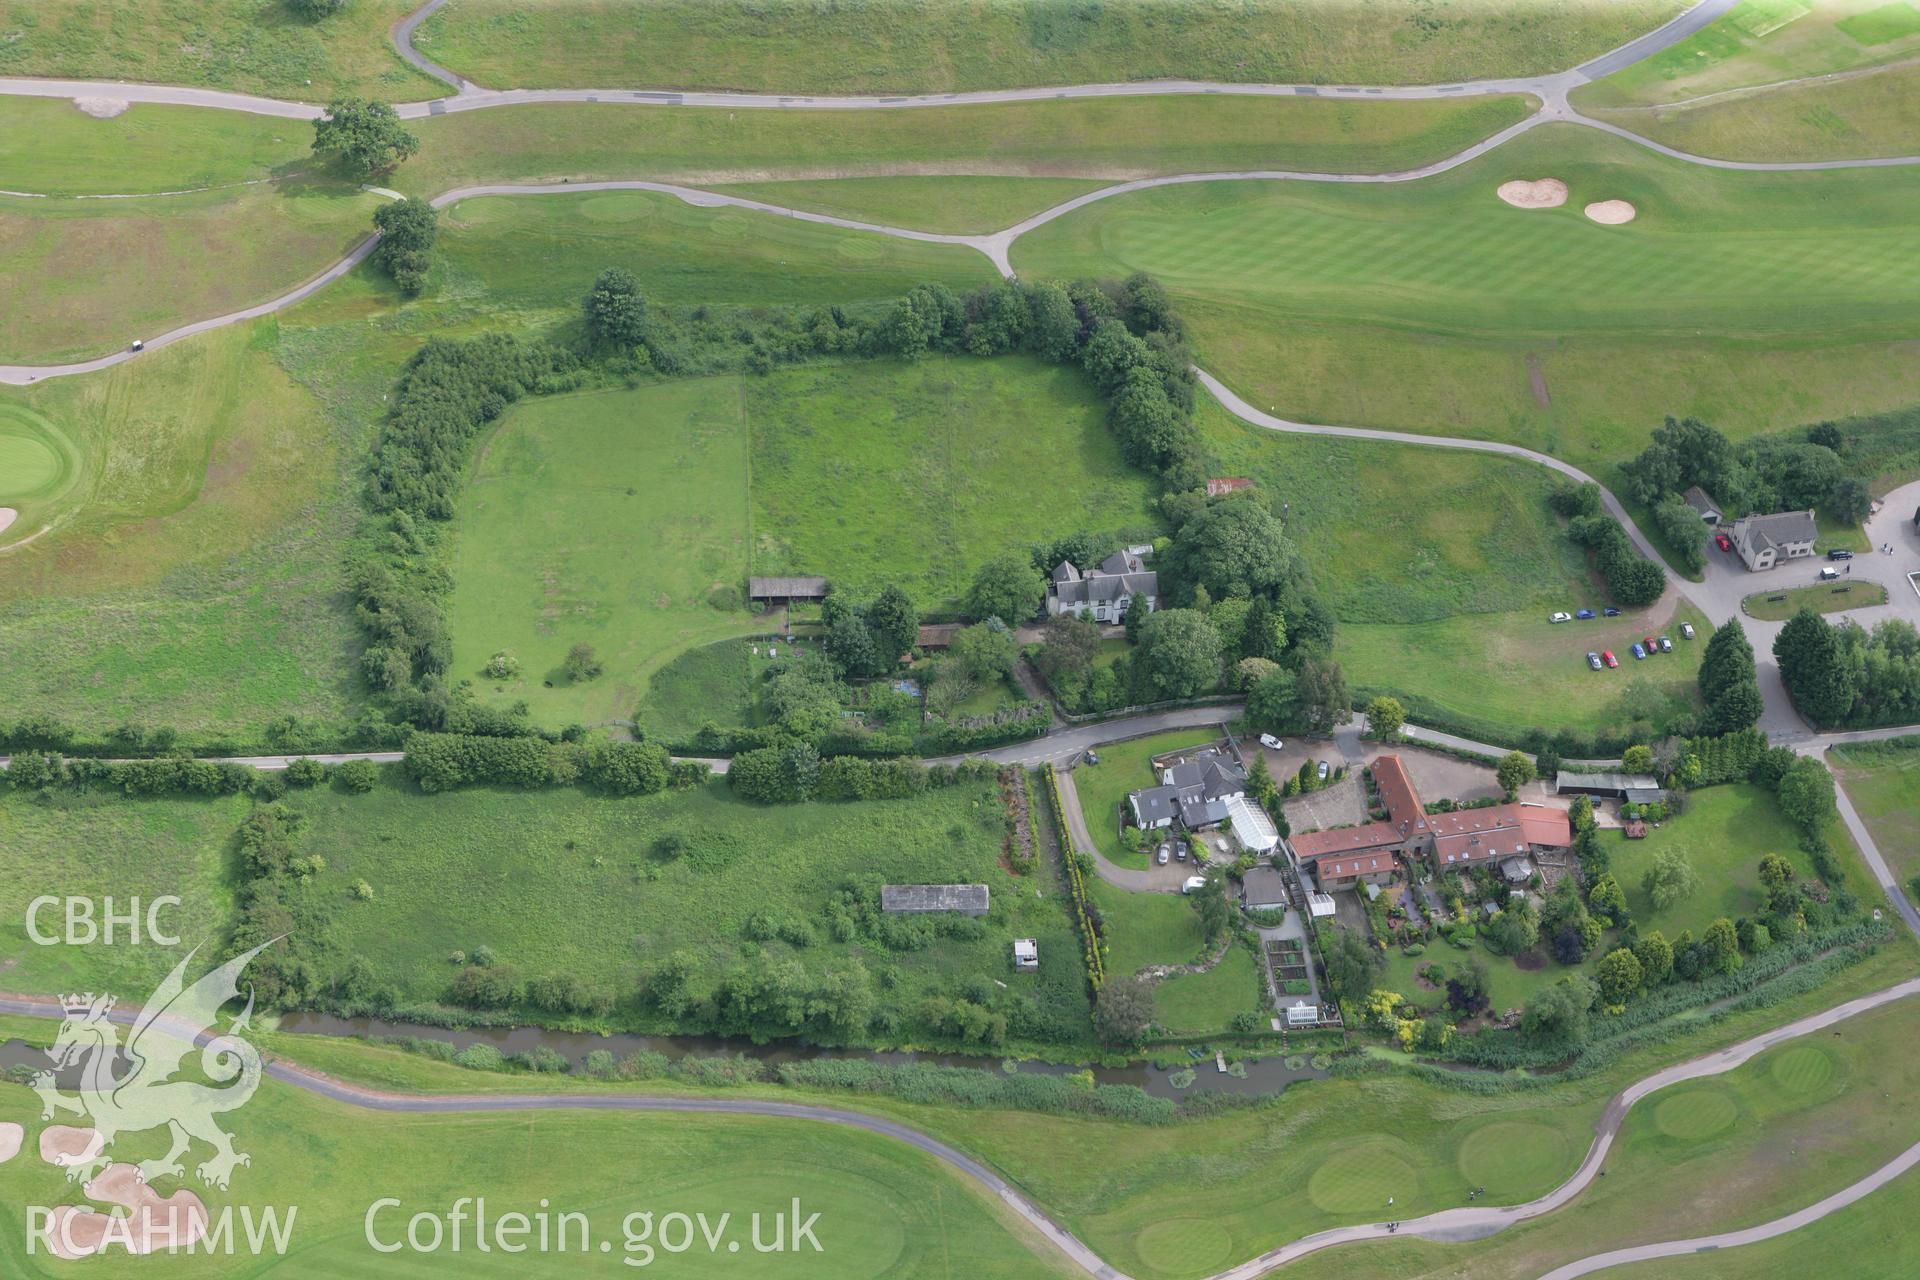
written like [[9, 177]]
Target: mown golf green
[[254, 46], [884, 1209], [38, 466], [1753, 301], [899, 47], [1780, 1132], [189, 575]]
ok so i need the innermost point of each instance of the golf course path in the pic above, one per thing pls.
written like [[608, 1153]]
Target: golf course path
[[1751, 1235], [1448, 1225]]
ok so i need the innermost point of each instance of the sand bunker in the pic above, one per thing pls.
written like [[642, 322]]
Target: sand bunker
[[1546, 193], [7, 516], [102, 108], [11, 1136], [1611, 212], [62, 1144]]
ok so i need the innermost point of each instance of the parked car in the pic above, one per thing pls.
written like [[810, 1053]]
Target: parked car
[[1593, 660], [1606, 656], [1829, 574], [1611, 612], [1193, 884], [1162, 857], [1561, 617], [1179, 853], [1839, 554], [1686, 631], [1666, 645], [138, 345], [1651, 646], [1325, 769], [1093, 757], [1639, 651], [1268, 740], [1723, 542], [1584, 615]]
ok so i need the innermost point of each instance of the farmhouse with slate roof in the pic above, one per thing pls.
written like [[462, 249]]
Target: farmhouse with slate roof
[[1105, 593], [1764, 541], [1198, 792]]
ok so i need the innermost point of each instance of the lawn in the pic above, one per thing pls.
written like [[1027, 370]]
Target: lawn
[[899, 47], [1146, 928], [954, 205], [913, 474], [100, 846], [1883, 781], [1777, 606], [1123, 137], [711, 683], [1432, 307], [884, 1209], [561, 881], [254, 46], [191, 577], [616, 520], [1125, 767], [1724, 834], [48, 145], [1191, 1004], [85, 277]]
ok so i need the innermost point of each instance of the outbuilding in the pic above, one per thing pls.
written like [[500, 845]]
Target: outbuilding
[[1026, 953], [1265, 889], [923, 899]]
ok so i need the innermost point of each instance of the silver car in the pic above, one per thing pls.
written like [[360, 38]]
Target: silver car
[[1162, 857]]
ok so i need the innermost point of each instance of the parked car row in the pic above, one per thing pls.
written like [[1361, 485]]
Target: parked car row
[[1583, 615], [1177, 849]]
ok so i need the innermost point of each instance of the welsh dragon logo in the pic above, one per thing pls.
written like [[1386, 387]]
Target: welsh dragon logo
[[142, 1092]]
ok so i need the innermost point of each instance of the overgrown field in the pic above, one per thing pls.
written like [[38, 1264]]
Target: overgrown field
[[563, 882], [899, 47], [1433, 307], [254, 46], [631, 520]]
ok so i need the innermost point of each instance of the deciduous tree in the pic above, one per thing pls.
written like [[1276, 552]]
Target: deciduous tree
[[367, 136]]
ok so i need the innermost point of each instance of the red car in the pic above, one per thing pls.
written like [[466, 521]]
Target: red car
[[1653, 646], [1723, 542], [1606, 656]]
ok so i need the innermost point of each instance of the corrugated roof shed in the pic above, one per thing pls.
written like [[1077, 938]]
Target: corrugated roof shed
[[967, 899]]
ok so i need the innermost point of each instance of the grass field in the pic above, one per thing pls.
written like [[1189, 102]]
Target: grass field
[[884, 1209], [900, 47], [953, 205], [1125, 767], [254, 46], [1190, 1004], [882, 473], [608, 520], [1433, 307], [1774, 1135], [1821, 598], [1883, 781], [48, 145], [571, 883], [540, 253], [191, 575], [1764, 42], [86, 277], [1869, 114], [1080, 137]]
